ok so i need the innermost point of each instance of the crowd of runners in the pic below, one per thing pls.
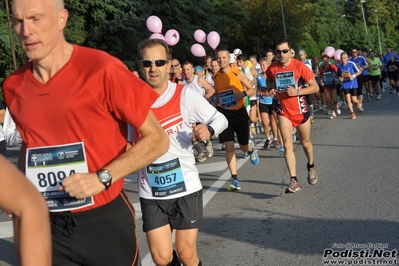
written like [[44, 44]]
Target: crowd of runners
[[84, 127]]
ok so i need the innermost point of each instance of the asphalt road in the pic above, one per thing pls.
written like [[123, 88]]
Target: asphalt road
[[355, 201]]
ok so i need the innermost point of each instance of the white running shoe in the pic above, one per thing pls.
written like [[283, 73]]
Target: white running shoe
[[338, 111]]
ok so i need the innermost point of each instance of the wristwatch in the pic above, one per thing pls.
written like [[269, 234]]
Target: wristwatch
[[105, 177], [211, 130]]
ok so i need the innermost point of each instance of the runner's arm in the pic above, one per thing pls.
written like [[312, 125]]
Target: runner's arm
[[249, 87], [2, 115], [312, 87], [153, 143], [210, 91], [19, 197]]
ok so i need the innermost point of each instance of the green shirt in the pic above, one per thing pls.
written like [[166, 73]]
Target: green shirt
[[374, 66]]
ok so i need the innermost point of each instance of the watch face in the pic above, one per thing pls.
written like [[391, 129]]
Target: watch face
[[104, 176]]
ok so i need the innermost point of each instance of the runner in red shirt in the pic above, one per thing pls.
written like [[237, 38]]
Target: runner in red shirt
[[71, 105], [291, 80]]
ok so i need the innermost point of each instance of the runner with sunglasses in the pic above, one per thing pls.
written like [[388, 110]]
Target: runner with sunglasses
[[291, 80], [176, 72], [170, 189]]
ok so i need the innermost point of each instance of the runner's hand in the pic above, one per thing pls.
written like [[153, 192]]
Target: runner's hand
[[292, 91], [201, 132], [82, 185], [272, 92]]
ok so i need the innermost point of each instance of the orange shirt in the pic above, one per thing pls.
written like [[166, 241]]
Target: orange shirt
[[226, 84]]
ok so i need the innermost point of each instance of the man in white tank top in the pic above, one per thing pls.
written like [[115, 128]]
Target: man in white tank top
[[252, 108], [206, 90]]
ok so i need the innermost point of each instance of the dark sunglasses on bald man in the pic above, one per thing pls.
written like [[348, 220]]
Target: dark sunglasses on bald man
[[157, 63], [282, 51]]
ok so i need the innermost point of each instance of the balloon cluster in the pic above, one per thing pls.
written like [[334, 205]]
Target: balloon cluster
[[154, 24], [213, 40], [332, 53], [172, 36]]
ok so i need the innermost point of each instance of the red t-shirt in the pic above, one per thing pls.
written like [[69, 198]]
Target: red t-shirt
[[88, 100], [296, 74]]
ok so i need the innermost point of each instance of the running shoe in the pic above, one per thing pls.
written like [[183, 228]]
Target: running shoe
[[254, 156], [325, 107], [344, 106], [293, 186], [383, 90], [245, 156], [329, 112], [369, 96], [312, 176], [276, 143], [338, 111], [391, 92], [379, 97], [359, 107], [333, 115], [281, 150], [267, 144], [353, 116], [209, 149], [201, 157], [234, 185]]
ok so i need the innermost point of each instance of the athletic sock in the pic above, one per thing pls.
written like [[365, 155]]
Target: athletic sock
[[294, 177], [310, 165], [234, 177]]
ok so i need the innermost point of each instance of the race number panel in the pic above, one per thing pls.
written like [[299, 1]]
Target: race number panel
[[228, 99], [285, 79], [46, 167], [166, 178]]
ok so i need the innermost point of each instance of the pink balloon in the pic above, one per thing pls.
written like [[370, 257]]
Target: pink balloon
[[154, 24], [198, 50], [172, 37], [213, 39], [337, 54], [200, 36], [157, 36], [329, 51]]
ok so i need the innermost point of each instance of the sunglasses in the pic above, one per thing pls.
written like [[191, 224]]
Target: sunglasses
[[149, 63], [175, 65], [282, 51]]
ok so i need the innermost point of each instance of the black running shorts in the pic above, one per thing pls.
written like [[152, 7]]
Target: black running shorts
[[238, 123], [181, 213], [103, 236]]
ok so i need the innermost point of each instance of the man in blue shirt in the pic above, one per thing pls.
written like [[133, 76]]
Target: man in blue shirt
[[361, 64], [347, 72]]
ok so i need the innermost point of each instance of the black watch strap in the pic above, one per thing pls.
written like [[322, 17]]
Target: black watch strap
[[211, 130]]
